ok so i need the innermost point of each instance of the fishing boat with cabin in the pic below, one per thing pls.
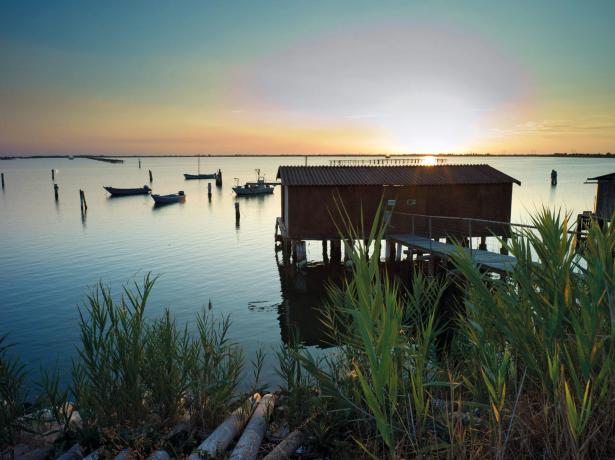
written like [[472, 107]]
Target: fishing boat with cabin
[[260, 187]]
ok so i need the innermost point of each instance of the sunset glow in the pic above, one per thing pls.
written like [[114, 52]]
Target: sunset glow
[[271, 78]]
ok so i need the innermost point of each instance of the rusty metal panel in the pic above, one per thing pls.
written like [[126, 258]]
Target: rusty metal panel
[[320, 212]]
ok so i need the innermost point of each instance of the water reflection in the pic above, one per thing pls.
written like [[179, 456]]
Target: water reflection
[[304, 292]]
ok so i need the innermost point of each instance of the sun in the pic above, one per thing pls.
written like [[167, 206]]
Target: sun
[[429, 160]]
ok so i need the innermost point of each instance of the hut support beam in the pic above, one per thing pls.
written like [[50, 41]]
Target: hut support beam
[[483, 243], [336, 251]]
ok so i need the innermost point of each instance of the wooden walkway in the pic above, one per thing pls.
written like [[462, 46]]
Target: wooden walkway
[[487, 260]]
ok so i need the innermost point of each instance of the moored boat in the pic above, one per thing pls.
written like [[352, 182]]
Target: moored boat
[[260, 187], [178, 197], [145, 190], [199, 176]]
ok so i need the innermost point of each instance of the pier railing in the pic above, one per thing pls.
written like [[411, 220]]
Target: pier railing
[[464, 230], [383, 161]]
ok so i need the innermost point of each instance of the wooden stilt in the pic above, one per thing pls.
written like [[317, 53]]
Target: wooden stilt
[[300, 253], [390, 250], [336, 251], [483, 243], [504, 249]]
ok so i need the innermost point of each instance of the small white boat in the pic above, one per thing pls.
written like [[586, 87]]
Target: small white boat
[[260, 187], [178, 197]]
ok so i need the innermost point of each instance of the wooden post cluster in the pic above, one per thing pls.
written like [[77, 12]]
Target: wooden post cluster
[[219, 178]]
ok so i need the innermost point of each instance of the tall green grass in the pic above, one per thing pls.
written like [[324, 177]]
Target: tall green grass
[[132, 372], [528, 372]]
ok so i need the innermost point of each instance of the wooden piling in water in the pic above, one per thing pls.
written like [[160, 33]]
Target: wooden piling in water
[[483, 243], [219, 178], [336, 251], [299, 252], [53, 174], [151, 178], [2, 176], [139, 163], [237, 212], [84, 204], [389, 251], [209, 190], [55, 190], [504, 249]]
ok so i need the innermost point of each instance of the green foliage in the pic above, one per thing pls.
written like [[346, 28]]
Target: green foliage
[[552, 318], [12, 393], [131, 371], [217, 371]]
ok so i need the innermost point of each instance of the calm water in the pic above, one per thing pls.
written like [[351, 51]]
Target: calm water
[[50, 256]]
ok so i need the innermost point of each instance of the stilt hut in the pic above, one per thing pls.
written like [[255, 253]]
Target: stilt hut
[[313, 198], [605, 195]]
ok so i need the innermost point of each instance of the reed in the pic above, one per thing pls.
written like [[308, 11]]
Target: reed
[[528, 371], [13, 393]]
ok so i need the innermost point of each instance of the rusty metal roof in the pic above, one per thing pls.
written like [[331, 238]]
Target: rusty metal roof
[[392, 175], [605, 177]]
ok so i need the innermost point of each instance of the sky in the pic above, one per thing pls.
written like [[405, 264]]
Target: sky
[[306, 77]]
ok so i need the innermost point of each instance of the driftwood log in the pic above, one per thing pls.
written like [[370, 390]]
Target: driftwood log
[[250, 441], [218, 441], [74, 453], [287, 447]]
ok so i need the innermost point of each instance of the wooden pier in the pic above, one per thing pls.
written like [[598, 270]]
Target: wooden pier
[[486, 260]]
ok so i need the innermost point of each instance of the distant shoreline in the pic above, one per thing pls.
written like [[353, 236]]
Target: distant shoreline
[[349, 155]]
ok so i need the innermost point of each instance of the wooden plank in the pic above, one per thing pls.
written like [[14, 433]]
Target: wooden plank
[[483, 258]]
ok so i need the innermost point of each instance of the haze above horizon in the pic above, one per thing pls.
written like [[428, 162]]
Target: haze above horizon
[[320, 77]]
